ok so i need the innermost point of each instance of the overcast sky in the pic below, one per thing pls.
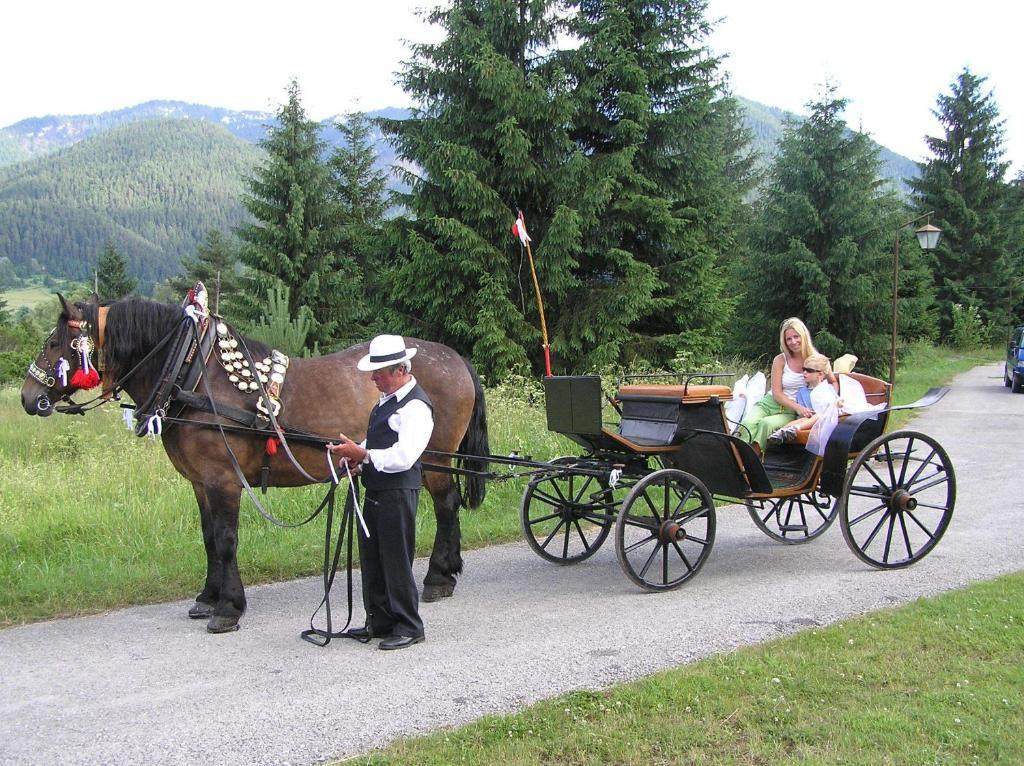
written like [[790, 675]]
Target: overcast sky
[[890, 59]]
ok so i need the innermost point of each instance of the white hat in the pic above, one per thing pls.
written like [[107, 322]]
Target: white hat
[[385, 350]]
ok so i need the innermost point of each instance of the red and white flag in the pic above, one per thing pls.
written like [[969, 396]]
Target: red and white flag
[[519, 229]]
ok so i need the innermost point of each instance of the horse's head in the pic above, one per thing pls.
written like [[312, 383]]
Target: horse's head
[[64, 364]]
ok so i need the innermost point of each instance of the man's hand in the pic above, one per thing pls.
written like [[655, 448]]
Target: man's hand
[[348, 450]]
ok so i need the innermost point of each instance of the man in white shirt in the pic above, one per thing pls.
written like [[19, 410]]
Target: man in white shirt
[[399, 429]]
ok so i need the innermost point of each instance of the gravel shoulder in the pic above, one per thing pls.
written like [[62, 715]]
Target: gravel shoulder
[[148, 685]]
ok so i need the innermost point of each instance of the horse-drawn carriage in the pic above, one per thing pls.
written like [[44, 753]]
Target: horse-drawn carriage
[[656, 473]]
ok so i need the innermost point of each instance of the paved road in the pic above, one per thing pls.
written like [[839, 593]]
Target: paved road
[[146, 685]]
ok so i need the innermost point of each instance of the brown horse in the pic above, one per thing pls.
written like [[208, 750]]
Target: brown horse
[[324, 396]]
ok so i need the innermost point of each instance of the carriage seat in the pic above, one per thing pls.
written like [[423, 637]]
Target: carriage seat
[[688, 394], [652, 414]]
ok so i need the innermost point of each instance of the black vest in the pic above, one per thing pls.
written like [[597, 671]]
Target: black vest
[[380, 436]]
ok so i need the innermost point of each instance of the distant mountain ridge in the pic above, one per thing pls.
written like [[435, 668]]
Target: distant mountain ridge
[[37, 136], [153, 178], [40, 135]]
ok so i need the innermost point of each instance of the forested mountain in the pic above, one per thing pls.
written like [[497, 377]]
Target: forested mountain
[[153, 189], [37, 136], [10, 149], [153, 178]]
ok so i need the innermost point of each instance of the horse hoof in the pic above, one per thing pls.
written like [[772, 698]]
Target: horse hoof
[[437, 592], [222, 624], [201, 611]]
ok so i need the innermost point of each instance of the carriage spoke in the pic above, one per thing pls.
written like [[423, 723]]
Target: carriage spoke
[[889, 460], [542, 519], [906, 462], [583, 538], [650, 560], [906, 536], [682, 555], [867, 514], [864, 492], [888, 538], [933, 481], [553, 533], [874, 531], [881, 482], [924, 464], [928, 532]]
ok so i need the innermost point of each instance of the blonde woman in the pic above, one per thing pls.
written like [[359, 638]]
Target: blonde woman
[[780, 406], [817, 370]]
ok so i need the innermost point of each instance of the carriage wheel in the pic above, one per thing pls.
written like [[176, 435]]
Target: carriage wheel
[[565, 517], [665, 530], [898, 499], [794, 519]]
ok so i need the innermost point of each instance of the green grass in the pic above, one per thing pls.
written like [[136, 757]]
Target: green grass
[[29, 297], [936, 682], [93, 518]]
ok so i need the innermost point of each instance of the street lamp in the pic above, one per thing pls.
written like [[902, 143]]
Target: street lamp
[[928, 239]]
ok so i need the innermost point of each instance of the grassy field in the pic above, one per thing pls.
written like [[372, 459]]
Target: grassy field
[[93, 518], [29, 297], [936, 682]]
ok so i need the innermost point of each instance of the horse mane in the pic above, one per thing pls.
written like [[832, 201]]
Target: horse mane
[[135, 326]]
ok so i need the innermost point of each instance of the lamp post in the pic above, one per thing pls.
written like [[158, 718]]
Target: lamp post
[[928, 239]]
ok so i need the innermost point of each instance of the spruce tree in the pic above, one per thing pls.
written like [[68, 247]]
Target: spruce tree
[[291, 240], [823, 245], [963, 184], [216, 265], [487, 137], [361, 198], [112, 279], [660, 190], [617, 154]]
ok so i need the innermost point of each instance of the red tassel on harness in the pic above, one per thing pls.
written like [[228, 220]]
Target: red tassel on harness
[[271, 448], [85, 380]]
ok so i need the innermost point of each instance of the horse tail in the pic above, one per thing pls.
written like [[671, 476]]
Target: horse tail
[[475, 443]]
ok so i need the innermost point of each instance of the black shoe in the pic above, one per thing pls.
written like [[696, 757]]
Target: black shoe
[[400, 642]]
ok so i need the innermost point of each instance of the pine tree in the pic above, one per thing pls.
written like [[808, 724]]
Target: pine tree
[[963, 184], [216, 265], [291, 240], [276, 327], [361, 198], [5, 313], [616, 153], [660, 191], [823, 244], [487, 138], [112, 279]]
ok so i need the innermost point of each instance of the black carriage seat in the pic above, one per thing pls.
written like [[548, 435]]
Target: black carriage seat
[[652, 414], [688, 425]]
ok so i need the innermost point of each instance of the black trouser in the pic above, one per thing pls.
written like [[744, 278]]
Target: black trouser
[[389, 590]]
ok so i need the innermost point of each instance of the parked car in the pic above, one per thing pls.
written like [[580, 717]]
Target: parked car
[[1013, 369]]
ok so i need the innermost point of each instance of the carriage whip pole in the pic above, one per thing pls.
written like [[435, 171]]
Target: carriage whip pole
[[519, 230]]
